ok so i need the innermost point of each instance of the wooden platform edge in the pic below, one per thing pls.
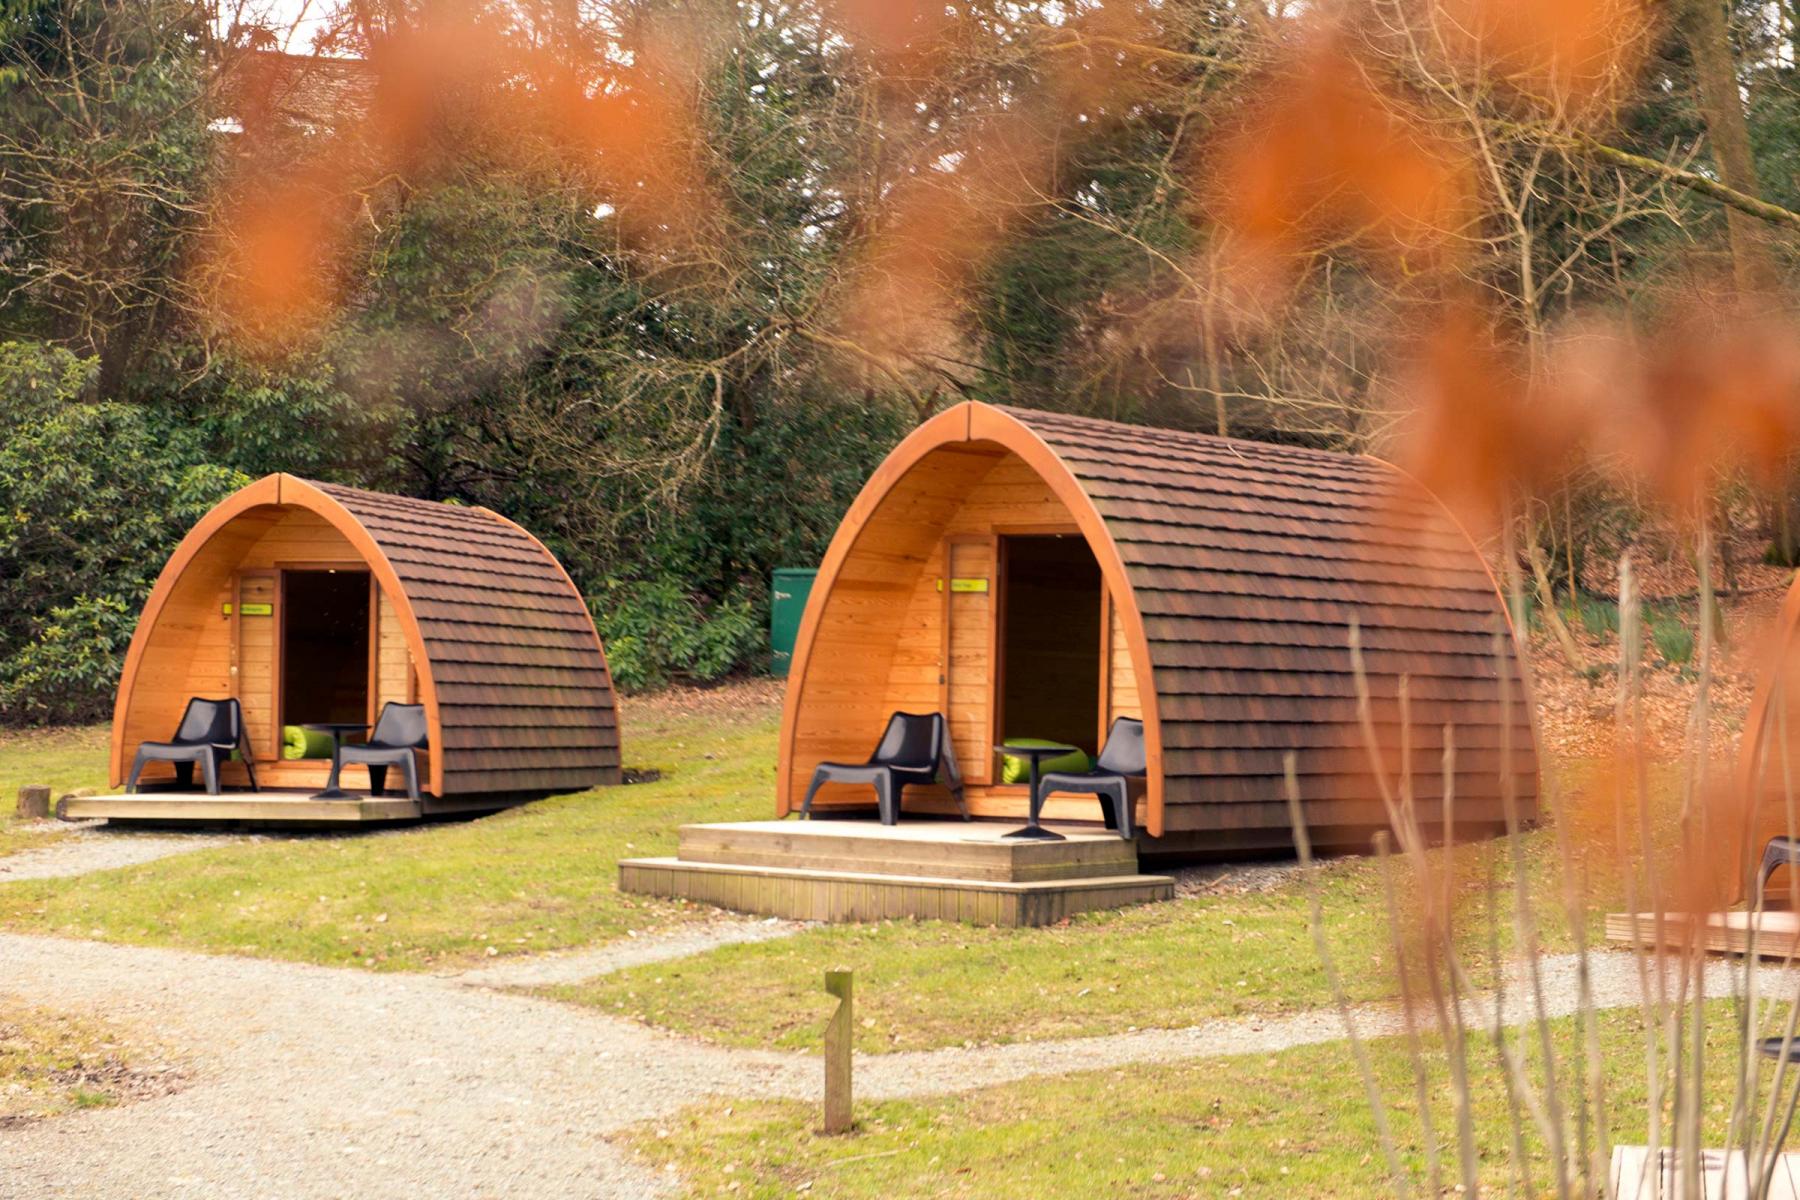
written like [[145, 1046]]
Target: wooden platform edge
[[1639, 929], [151, 807], [852, 850], [841, 896], [1724, 1175]]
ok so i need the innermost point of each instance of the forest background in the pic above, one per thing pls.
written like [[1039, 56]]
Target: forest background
[[662, 280]]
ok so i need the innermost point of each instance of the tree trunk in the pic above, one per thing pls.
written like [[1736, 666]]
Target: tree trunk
[[1540, 574], [1722, 107]]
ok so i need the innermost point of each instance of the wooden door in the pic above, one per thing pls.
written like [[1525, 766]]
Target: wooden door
[[968, 653], [257, 615]]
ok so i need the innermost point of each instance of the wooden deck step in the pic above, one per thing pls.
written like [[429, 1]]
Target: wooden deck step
[[818, 895], [934, 849]]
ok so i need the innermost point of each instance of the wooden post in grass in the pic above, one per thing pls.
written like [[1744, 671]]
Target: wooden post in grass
[[34, 801], [837, 1054]]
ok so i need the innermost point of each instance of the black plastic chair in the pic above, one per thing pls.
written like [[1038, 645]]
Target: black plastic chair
[[1780, 852], [1121, 761], [399, 731], [209, 731], [915, 749]]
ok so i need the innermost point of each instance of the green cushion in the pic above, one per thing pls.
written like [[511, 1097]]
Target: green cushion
[[304, 743], [1018, 770]]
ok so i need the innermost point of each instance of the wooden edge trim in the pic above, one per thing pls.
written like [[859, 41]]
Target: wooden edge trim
[[1756, 723], [990, 424], [1520, 651], [612, 694], [373, 687], [949, 426], [1106, 679], [298, 493], [969, 422], [265, 491]]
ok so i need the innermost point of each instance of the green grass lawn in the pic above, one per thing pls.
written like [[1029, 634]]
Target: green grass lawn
[[533, 878], [1283, 1125], [544, 876], [928, 984], [63, 758], [932, 983]]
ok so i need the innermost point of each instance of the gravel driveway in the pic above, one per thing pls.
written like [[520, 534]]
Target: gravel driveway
[[319, 1082]]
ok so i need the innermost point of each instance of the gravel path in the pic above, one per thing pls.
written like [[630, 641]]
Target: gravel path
[[314, 1082], [317, 1082], [100, 849], [1615, 985], [574, 966]]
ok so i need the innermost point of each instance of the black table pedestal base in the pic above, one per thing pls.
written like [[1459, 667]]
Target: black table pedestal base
[[337, 730], [1036, 833]]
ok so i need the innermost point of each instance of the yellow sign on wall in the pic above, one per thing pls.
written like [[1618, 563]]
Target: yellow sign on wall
[[968, 585]]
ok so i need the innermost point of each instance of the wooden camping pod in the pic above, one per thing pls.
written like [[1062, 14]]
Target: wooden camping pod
[[1764, 800], [466, 613], [1231, 574]]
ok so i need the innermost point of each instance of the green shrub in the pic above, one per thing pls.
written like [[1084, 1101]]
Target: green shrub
[[69, 672], [93, 497], [656, 631], [1673, 640]]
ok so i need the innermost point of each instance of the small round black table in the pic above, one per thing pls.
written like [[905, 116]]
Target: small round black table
[[1035, 755], [337, 730]]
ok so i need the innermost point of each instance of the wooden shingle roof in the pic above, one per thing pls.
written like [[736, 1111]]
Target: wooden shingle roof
[[1249, 563], [524, 699]]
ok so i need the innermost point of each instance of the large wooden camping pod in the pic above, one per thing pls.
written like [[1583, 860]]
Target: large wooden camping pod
[[314, 602], [1035, 575], [1764, 800]]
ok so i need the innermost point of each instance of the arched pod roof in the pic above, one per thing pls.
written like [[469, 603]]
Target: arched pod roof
[[511, 671], [1239, 568]]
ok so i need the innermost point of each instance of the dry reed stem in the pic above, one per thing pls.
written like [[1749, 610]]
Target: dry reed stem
[[1315, 906]]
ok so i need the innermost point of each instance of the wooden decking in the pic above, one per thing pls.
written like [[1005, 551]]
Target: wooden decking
[[286, 808], [1723, 1175], [844, 870], [1777, 931]]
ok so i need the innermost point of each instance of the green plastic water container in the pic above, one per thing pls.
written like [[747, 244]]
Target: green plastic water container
[[787, 603]]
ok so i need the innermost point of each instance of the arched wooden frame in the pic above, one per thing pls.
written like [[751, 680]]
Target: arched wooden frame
[[289, 492], [973, 422]]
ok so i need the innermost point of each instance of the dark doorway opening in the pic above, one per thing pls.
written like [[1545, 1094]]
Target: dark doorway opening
[[324, 646], [1049, 683]]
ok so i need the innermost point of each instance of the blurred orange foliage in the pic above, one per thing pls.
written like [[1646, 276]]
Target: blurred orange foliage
[[1484, 436], [1330, 154], [938, 228], [1576, 57], [272, 258], [449, 92]]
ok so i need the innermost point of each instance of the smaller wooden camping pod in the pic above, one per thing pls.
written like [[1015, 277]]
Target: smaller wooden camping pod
[[315, 602], [1037, 574]]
